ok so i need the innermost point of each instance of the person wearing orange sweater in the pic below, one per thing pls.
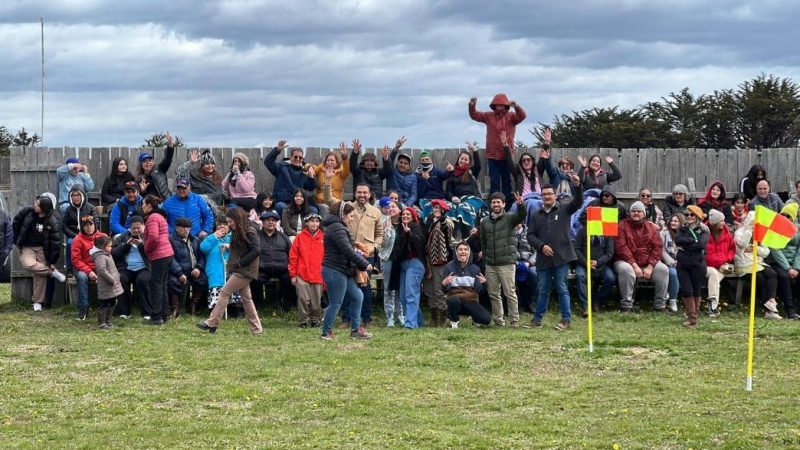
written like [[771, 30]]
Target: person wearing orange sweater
[[305, 270], [331, 174]]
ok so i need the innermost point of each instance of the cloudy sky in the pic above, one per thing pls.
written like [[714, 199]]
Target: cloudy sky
[[248, 72]]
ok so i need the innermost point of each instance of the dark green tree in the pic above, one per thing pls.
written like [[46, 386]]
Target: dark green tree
[[23, 139], [768, 109], [160, 140]]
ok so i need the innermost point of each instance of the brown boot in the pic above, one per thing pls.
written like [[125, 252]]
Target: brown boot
[[198, 296], [438, 318], [174, 305], [691, 311]]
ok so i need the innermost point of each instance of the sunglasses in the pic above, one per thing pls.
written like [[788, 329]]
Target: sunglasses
[[645, 195], [691, 215], [297, 157], [787, 216], [563, 164], [607, 195], [526, 160]]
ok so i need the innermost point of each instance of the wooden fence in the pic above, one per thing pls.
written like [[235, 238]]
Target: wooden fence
[[32, 170]]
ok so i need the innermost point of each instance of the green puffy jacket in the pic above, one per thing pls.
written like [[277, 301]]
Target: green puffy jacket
[[499, 239], [788, 257]]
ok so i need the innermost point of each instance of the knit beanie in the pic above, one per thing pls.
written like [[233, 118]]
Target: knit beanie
[[637, 205], [715, 217], [73, 160], [424, 153], [207, 158], [680, 189], [384, 202], [791, 210]]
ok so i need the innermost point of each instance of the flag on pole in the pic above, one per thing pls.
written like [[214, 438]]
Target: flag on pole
[[772, 229], [602, 221]]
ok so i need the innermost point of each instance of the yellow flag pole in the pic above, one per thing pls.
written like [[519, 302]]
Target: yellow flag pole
[[589, 286], [749, 386]]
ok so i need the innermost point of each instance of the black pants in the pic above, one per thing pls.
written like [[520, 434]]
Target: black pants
[[457, 307], [768, 280], [785, 285], [108, 302], [141, 282], [288, 296], [159, 300], [691, 281], [246, 203]]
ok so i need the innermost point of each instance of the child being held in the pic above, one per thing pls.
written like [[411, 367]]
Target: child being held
[[108, 284]]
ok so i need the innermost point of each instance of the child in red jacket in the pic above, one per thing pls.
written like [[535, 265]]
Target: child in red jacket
[[305, 270]]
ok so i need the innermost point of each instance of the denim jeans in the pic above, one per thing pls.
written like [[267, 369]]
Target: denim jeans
[[391, 299], [341, 286], [68, 255], [82, 279], [546, 277], [411, 273], [606, 283], [500, 172], [674, 284], [366, 304]]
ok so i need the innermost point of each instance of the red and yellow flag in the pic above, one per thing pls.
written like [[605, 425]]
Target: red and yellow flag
[[772, 229], [602, 221]]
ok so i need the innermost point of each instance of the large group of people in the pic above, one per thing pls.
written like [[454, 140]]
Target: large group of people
[[216, 242]]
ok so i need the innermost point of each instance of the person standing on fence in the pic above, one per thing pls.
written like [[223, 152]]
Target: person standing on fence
[[243, 267], [115, 183], [38, 238], [134, 268], [201, 171], [501, 118], [549, 234], [330, 176], [289, 175], [73, 173], [83, 263], [691, 240], [152, 179], [159, 252], [239, 186], [499, 246]]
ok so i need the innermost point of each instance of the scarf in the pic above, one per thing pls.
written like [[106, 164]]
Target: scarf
[[459, 170], [424, 167], [437, 242]]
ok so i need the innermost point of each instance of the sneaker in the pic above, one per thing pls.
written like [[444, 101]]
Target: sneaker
[[361, 333], [327, 336], [58, 276], [772, 315], [713, 303], [453, 325], [82, 313], [314, 324], [37, 307], [206, 327], [534, 324], [673, 305], [713, 312], [103, 326], [514, 324], [390, 323], [794, 316], [771, 305], [145, 318], [124, 316], [562, 326]]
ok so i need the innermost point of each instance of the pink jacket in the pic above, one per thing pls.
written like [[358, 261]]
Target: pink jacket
[[495, 123], [156, 237], [245, 185]]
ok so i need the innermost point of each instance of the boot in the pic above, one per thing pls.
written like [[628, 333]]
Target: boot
[[198, 296], [691, 311], [101, 318], [435, 318], [174, 305], [109, 312]]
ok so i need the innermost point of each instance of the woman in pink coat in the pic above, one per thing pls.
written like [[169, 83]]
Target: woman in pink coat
[[240, 183], [159, 252]]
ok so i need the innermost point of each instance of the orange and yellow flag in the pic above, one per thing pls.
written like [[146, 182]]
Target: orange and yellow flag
[[602, 221], [772, 229]]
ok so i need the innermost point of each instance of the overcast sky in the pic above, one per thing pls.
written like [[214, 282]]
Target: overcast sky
[[245, 73]]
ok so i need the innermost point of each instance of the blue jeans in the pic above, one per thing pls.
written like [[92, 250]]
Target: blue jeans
[[500, 172], [607, 281], [68, 256], [411, 273], [82, 279], [366, 304], [340, 285], [674, 284], [546, 278]]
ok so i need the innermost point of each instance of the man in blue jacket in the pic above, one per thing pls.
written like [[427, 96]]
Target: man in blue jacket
[[126, 207], [400, 178], [289, 176], [430, 179], [185, 203]]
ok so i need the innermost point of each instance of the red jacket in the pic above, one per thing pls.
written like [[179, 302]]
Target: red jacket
[[156, 237], [495, 123], [81, 245], [720, 251], [638, 242], [305, 256]]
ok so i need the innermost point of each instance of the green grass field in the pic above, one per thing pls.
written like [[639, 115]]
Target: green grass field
[[649, 384]]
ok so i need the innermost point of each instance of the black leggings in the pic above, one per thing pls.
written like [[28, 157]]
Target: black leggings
[[457, 307], [691, 281], [159, 300], [767, 279]]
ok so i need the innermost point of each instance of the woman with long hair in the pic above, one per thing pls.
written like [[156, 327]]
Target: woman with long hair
[[294, 213], [669, 254], [766, 277], [339, 266], [390, 220], [159, 251], [242, 266], [747, 185], [737, 211], [331, 174], [114, 184], [239, 184], [714, 199], [719, 253], [152, 179], [593, 176], [408, 265]]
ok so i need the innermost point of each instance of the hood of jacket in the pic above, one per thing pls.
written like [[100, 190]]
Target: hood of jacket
[[499, 99], [94, 252], [77, 188], [609, 189], [330, 219]]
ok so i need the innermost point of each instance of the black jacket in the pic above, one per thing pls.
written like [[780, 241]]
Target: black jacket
[[361, 175], [457, 187], [602, 249], [6, 235], [274, 250], [340, 251], [404, 244], [671, 207], [158, 177], [691, 243], [23, 225], [552, 228], [182, 262], [122, 248], [114, 185]]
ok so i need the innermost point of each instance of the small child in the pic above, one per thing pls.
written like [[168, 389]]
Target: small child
[[108, 284], [305, 270]]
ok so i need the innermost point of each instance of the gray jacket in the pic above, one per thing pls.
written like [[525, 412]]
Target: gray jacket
[[108, 285]]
